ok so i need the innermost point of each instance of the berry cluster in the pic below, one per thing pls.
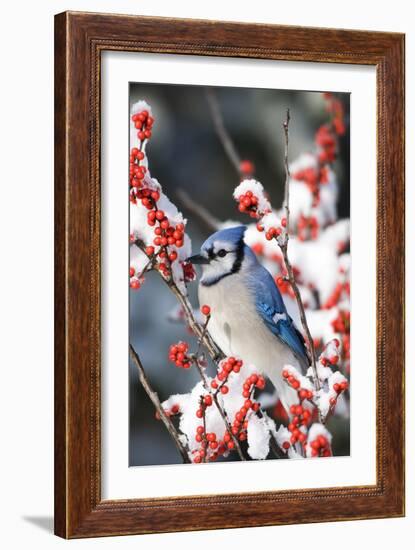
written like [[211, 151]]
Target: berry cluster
[[253, 381], [331, 353], [178, 355], [143, 122], [273, 227], [307, 227], [300, 418], [273, 232], [226, 367], [137, 171], [326, 140], [240, 421], [248, 203], [313, 177], [166, 234], [292, 380], [320, 446], [335, 297], [338, 388], [211, 446]]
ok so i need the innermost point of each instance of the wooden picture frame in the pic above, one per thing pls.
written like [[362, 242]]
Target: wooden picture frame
[[80, 38]]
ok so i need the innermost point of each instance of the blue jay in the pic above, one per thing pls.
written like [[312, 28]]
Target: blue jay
[[248, 315]]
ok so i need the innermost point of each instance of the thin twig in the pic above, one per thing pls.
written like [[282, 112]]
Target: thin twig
[[202, 337], [212, 223], [156, 402], [284, 250], [221, 130]]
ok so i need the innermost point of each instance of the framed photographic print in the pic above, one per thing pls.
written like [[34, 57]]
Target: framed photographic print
[[250, 179]]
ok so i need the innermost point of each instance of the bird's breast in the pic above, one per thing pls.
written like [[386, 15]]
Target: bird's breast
[[238, 329], [235, 324]]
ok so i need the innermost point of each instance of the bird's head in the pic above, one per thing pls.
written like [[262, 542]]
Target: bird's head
[[221, 254]]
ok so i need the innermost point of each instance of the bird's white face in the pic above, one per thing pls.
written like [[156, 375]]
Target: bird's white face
[[221, 259]]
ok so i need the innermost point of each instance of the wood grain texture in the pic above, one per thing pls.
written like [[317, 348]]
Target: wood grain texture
[[79, 40]]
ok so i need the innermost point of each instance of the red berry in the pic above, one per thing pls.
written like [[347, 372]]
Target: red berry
[[303, 394], [224, 390], [246, 167], [205, 310], [132, 272], [207, 400]]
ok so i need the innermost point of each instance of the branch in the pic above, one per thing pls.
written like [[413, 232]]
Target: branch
[[212, 223], [284, 250], [156, 402], [221, 131]]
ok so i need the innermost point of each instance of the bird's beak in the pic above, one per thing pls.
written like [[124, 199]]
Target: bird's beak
[[198, 259]]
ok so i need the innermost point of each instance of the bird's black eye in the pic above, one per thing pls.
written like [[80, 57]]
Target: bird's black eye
[[222, 253]]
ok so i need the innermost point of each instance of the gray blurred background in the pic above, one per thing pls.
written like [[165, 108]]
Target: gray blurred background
[[185, 152]]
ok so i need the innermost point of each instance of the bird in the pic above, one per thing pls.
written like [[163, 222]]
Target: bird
[[248, 317]]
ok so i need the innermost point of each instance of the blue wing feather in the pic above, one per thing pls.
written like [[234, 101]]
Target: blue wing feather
[[271, 308]]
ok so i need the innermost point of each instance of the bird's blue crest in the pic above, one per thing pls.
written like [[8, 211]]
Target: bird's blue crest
[[232, 235]]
